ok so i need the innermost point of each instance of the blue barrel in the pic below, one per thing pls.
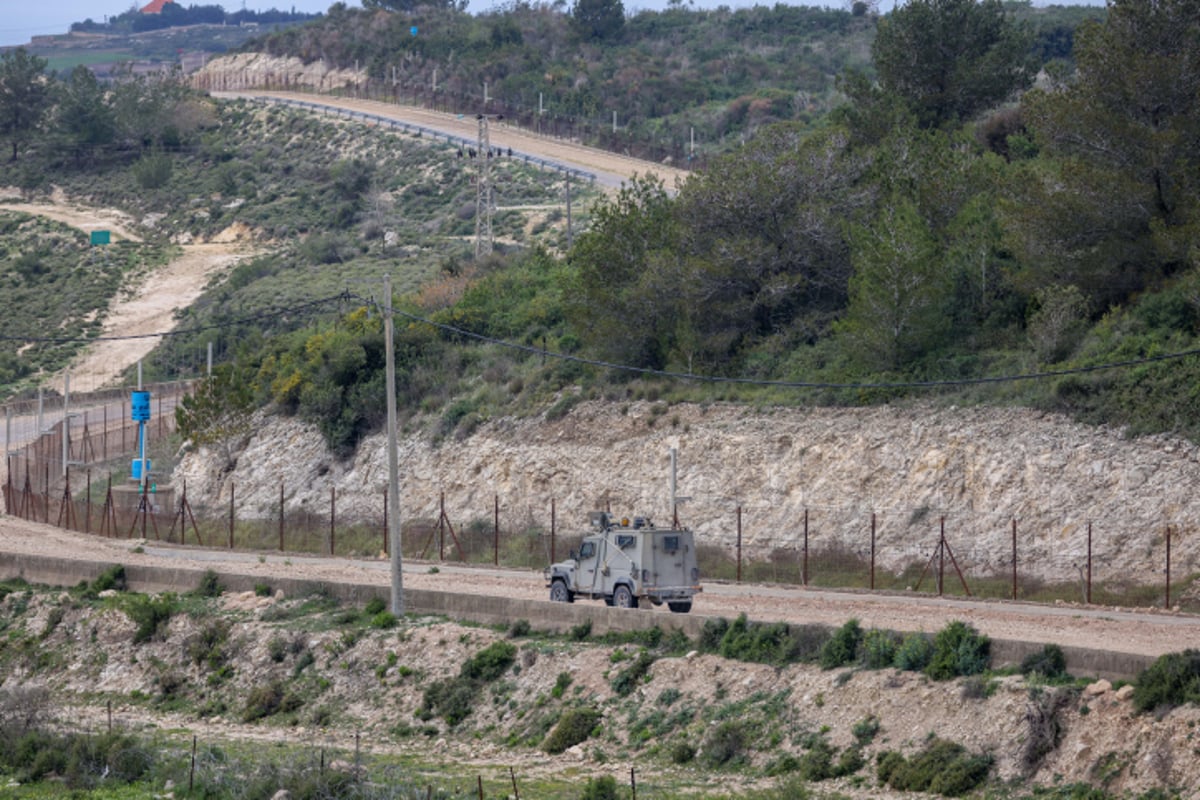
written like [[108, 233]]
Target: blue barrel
[[139, 406]]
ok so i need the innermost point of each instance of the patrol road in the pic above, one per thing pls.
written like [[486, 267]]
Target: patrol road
[[1141, 632]]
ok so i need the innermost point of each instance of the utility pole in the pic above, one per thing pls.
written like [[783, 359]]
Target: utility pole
[[570, 233], [393, 495], [483, 189]]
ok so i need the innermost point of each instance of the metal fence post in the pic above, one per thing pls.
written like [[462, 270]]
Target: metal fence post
[[231, 515], [739, 544], [804, 562], [281, 516], [1167, 595], [332, 518], [496, 530], [872, 551], [1014, 558], [1088, 586]]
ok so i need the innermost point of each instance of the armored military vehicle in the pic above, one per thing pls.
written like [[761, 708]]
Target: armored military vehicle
[[629, 561]]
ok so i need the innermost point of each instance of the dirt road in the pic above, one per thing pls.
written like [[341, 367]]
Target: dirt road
[[1118, 630], [611, 169]]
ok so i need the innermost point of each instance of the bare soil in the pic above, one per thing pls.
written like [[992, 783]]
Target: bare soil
[[377, 683]]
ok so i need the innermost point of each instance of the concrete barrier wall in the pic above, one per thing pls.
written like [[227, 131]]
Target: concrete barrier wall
[[485, 609]]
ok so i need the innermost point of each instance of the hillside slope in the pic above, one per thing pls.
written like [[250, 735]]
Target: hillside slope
[[912, 467]]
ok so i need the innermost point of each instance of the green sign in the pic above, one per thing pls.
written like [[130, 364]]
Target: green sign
[[101, 237]]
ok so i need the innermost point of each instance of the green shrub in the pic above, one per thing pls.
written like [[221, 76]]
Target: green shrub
[[112, 578], [490, 663], [878, 648], [151, 615], [725, 745], [603, 788], [519, 628], [573, 727], [1172, 680], [384, 620], [262, 590], [865, 729], [914, 652], [209, 586], [958, 649], [628, 679], [849, 762], [153, 170], [374, 606], [581, 631], [711, 634], [1049, 663], [842, 647], [560, 685], [267, 700], [762, 643], [681, 752], [452, 700], [816, 763], [943, 767]]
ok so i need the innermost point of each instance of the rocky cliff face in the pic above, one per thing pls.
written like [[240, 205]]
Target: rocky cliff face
[[258, 70], [970, 472]]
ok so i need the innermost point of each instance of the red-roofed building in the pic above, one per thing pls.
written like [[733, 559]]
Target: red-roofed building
[[155, 6]]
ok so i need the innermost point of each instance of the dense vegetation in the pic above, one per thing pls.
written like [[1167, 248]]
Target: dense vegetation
[[924, 235], [719, 74]]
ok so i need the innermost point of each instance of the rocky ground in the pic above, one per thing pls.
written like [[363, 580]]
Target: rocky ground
[[345, 676]]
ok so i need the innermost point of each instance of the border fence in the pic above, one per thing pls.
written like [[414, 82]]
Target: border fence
[[71, 438], [611, 133], [962, 555]]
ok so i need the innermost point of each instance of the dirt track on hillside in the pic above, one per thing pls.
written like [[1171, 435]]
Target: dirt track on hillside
[[1142, 632], [610, 168]]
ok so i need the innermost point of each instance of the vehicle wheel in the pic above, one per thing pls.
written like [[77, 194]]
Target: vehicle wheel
[[680, 606], [623, 598], [559, 593], [608, 600]]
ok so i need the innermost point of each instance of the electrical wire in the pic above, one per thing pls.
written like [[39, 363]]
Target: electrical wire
[[303, 308], [345, 296], [698, 378]]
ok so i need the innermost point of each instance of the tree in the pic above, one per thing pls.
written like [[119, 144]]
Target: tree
[[24, 96], [83, 116], [899, 289], [218, 413], [951, 59], [1113, 206], [598, 20], [609, 304]]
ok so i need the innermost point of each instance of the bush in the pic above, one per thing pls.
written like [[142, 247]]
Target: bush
[[865, 729], [914, 652], [452, 700], [210, 585], [958, 649], [842, 647], [681, 752], [1050, 663], [384, 620], [374, 606], [725, 745], [1172, 680], [519, 628], [573, 727], [878, 649], [490, 663], [604, 788], [816, 764], [112, 578], [151, 615], [943, 767], [267, 700], [761, 643], [628, 679]]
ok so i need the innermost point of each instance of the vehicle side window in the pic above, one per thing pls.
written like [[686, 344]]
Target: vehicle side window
[[587, 550], [625, 542], [670, 543]]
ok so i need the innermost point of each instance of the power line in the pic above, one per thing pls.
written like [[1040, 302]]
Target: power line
[[659, 373], [300, 309], [697, 378]]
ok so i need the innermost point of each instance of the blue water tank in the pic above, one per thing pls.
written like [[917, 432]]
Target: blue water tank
[[135, 472]]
